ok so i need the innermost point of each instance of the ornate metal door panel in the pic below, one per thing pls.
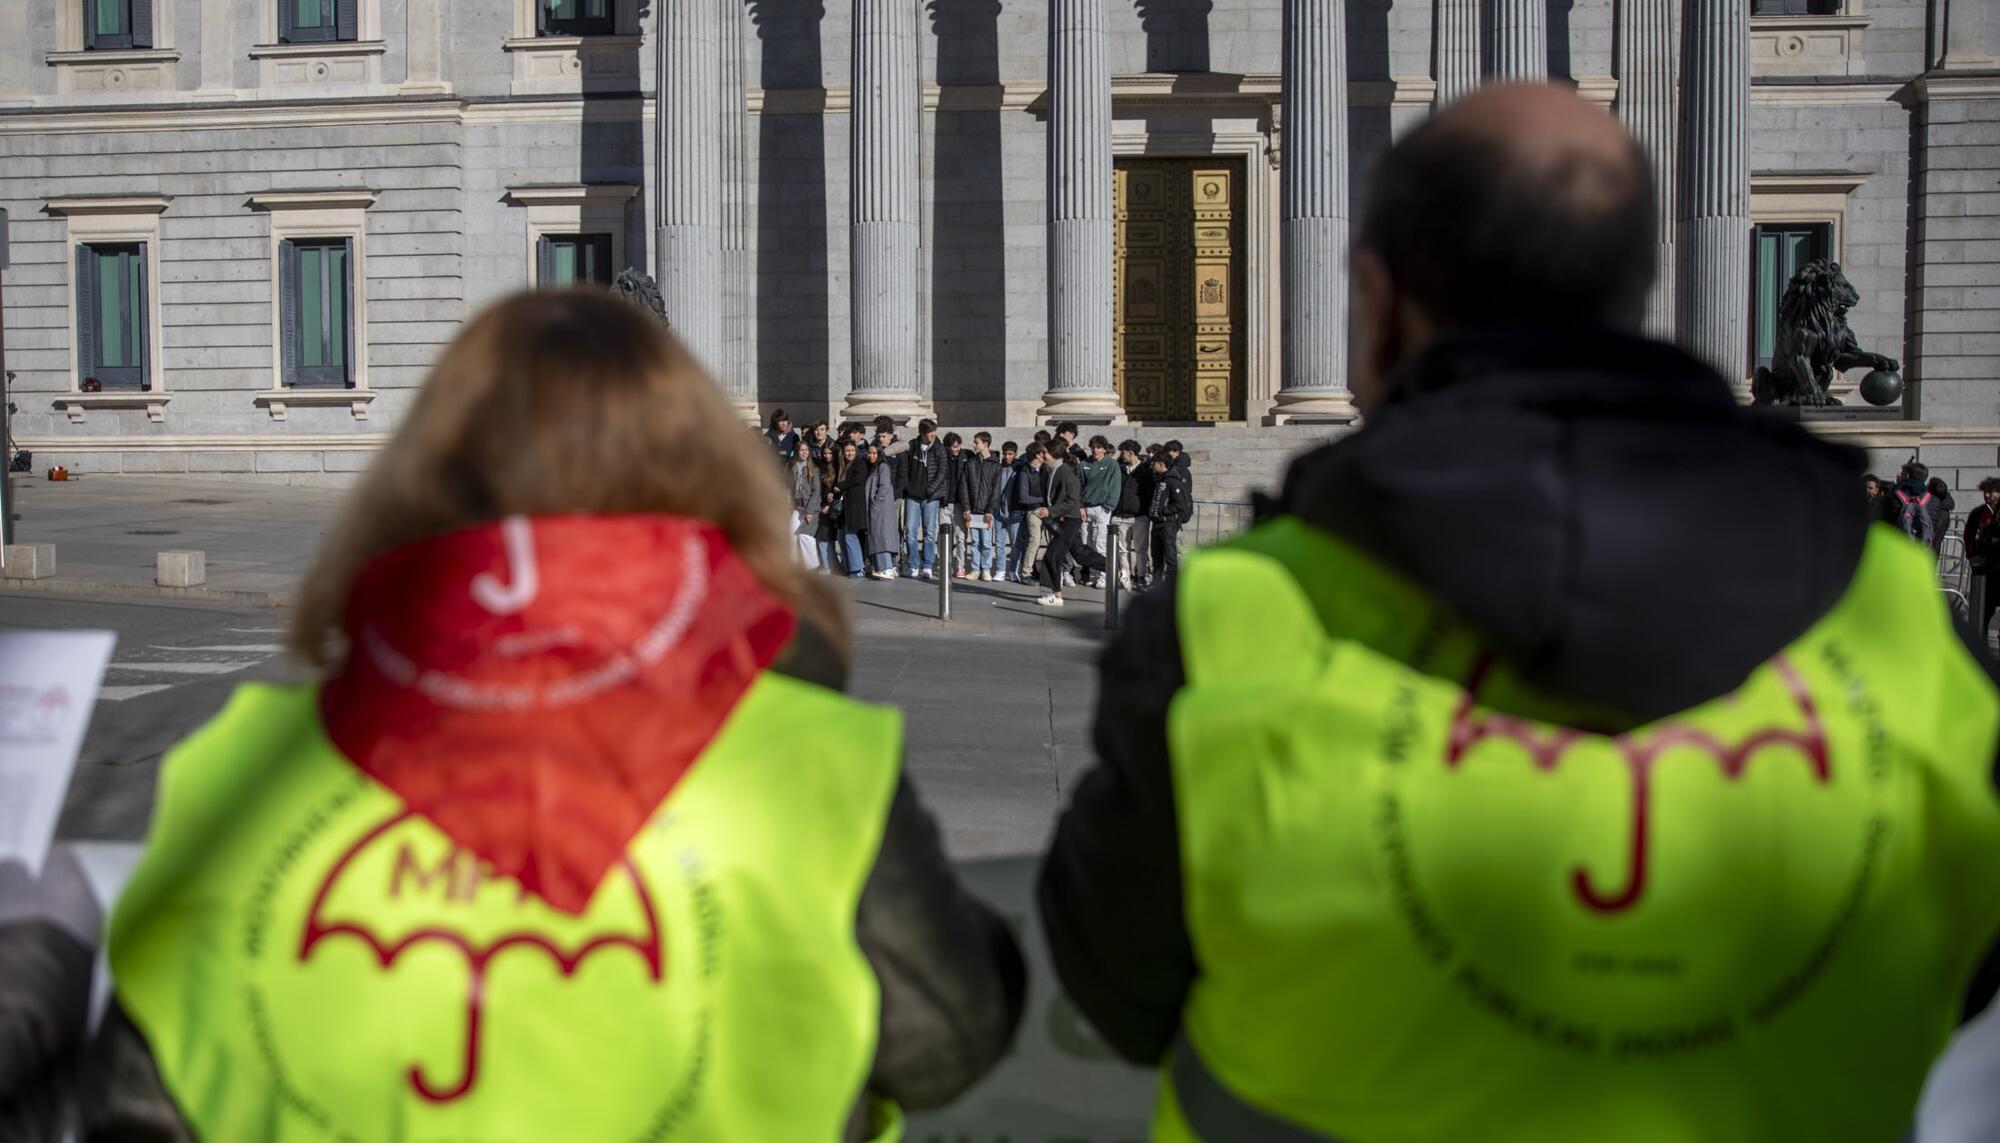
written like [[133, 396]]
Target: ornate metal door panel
[[1178, 289]]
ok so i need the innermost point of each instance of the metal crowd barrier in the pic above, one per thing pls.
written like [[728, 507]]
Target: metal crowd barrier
[[1215, 520]]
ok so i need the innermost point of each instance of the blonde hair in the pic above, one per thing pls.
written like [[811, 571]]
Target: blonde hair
[[557, 402]]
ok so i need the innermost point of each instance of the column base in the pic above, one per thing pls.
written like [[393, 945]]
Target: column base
[[902, 407], [1084, 406], [1313, 407]]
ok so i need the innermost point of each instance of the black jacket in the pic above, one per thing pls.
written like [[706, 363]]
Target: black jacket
[[1555, 492], [1135, 493], [1183, 467], [978, 487], [1065, 493], [952, 980], [1030, 486], [1169, 505], [925, 472]]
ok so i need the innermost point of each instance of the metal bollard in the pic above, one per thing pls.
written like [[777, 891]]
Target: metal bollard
[[1111, 562], [945, 535]]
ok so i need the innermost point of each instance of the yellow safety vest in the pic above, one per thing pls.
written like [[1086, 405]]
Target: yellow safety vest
[[1428, 913], [309, 959]]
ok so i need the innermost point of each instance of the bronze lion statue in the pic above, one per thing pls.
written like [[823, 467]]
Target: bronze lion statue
[[639, 289], [1813, 343]]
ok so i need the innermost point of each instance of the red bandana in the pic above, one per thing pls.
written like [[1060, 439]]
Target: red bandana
[[536, 687]]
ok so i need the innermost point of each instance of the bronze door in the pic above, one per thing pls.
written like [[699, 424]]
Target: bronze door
[[1178, 289]]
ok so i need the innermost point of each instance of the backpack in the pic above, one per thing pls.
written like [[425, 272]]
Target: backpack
[[1187, 496], [23, 461], [1915, 518]]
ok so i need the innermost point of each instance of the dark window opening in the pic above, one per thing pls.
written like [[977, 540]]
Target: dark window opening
[[317, 21], [111, 315], [111, 25], [573, 17], [1795, 7], [318, 315], [569, 259], [1777, 252]]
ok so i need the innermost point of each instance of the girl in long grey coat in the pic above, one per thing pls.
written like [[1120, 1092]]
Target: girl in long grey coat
[[883, 540]]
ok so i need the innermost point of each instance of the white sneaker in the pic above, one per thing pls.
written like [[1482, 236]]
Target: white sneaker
[[909, 573], [927, 574], [1050, 600], [986, 577], [882, 575]]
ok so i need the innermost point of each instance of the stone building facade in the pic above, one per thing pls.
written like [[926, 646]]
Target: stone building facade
[[242, 229]]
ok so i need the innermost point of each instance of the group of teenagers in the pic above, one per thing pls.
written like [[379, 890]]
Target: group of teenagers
[[1047, 514]]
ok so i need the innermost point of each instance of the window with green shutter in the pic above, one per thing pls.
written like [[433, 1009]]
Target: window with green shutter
[[111, 324], [1778, 251], [1795, 7], [573, 17], [316, 322], [317, 21], [111, 25], [569, 259]]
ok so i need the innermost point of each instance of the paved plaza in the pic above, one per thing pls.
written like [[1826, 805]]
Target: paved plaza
[[997, 702]]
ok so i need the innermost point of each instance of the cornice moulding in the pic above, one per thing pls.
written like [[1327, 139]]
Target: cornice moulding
[[113, 57], [1807, 182], [334, 48], [345, 198], [75, 205], [572, 194]]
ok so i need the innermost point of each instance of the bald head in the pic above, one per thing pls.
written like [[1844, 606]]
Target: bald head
[[1519, 204]]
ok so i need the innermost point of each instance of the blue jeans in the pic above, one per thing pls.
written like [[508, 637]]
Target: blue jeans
[[827, 558], [920, 525], [983, 555], [1003, 541], [850, 547], [885, 561]]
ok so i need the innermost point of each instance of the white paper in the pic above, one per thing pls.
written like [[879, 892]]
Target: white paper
[[976, 520], [48, 684]]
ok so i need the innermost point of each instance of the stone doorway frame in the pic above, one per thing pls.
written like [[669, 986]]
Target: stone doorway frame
[[1155, 122]]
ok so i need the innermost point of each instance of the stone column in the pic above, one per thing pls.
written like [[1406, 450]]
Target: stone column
[[1520, 40], [1080, 223], [738, 366], [1313, 215], [1648, 105], [688, 253], [1712, 208], [882, 205], [1457, 49]]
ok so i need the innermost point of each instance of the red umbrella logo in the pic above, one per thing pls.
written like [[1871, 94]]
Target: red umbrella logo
[[1547, 747], [403, 884], [564, 665]]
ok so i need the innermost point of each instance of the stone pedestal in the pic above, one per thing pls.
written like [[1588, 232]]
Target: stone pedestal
[[28, 561], [180, 569], [1081, 386], [1313, 216]]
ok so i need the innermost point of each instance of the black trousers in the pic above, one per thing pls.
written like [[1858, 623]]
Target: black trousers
[[1065, 544], [1166, 549]]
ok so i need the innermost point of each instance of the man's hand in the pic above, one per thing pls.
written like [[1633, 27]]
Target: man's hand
[[1042, 512], [989, 519]]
